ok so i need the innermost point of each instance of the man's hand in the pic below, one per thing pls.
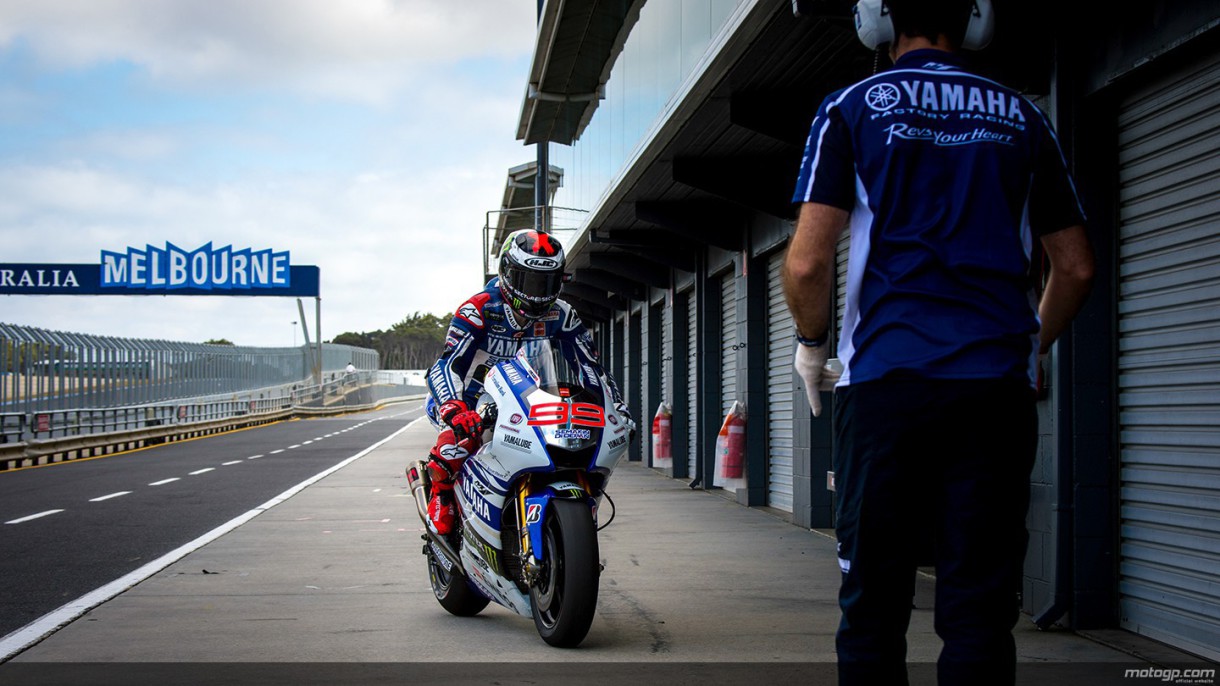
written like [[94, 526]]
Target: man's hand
[[463, 421], [810, 363]]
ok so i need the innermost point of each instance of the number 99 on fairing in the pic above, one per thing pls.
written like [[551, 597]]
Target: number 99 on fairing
[[582, 414]]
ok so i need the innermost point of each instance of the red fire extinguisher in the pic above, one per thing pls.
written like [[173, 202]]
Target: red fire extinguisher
[[731, 443], [662, 436]]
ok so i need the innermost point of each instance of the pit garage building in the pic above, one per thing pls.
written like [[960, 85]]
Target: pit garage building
[[674, 129]]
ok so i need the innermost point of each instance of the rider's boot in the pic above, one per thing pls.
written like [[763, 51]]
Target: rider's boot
[[441, 513], [444, 461]]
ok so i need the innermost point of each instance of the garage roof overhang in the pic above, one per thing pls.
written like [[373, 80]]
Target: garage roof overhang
[[731, 147], [578, 42]]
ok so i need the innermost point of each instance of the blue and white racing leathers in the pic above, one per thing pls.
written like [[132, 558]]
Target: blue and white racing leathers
[[485, 330]]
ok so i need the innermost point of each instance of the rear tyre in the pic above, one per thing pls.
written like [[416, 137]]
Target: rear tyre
[[565, 597], [452, 589]]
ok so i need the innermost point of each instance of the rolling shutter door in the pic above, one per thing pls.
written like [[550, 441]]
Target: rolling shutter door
[[728, 354], [692, 384], [1169, 360], [666, 360], [780, 388], [841, 254]]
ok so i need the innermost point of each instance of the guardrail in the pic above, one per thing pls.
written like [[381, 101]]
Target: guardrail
[[39, 438]]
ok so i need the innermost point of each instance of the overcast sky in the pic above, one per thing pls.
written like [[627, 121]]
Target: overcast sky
[[367, 137]]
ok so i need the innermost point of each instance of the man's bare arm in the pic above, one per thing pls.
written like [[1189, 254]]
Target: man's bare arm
[[1071, 278], [809, 267]]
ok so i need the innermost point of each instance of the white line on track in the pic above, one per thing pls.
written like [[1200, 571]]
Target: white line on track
[[294, 447], [226, 464], [276, 452], [108, 497], [162, 482], [49, 623], [254, 457], [33, 516], [205, 470]]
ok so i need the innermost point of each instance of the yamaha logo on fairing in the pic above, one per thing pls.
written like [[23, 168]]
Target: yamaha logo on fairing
[[542, 263], [472, 492]]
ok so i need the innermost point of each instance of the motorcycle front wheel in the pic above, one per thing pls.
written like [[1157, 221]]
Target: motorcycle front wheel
[[452, 589], [565, 597]]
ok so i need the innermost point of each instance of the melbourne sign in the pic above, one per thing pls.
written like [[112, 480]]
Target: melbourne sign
[[167, 271]]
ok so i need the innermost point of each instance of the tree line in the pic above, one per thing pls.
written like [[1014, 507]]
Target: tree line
[[413, 343]]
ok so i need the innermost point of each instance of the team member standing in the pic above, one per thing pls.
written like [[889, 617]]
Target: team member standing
[[945, 180]]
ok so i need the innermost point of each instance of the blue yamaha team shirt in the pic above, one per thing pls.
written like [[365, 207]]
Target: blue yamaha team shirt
[[948, 178]]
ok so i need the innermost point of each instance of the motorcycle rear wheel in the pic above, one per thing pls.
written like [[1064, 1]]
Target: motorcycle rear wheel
[[453, 591], [565, 597]]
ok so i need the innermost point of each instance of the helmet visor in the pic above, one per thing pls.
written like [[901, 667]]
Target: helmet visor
[[535, 290]]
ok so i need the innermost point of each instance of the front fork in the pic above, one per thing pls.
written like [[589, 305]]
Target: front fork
[[533, 497]]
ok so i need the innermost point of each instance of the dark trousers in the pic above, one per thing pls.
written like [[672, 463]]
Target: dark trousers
[[946, 461]]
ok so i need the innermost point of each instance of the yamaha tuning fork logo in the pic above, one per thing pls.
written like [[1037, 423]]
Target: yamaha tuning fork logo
[[882, 97]]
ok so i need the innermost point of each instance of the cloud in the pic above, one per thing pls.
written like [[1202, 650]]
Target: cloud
[[310, 45], [388, 244], [367, 137]]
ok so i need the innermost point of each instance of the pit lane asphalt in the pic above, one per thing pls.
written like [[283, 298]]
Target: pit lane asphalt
[[334, 575]]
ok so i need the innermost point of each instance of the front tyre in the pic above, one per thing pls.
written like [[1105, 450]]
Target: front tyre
[[452, 589], [565, 597]]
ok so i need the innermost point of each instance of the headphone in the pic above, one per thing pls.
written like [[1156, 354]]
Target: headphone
[[874, 26]]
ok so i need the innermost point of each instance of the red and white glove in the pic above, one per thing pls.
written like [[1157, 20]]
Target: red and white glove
[[464, 421]]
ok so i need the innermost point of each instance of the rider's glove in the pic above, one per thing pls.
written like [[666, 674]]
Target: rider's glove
[[622, 411], [463, 421], [810, 363]]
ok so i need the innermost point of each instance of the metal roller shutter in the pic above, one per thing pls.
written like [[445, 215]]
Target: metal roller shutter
[[780, 388], [728, 344], [1169, 359], [666, 360], [841, 253], [692, 384]]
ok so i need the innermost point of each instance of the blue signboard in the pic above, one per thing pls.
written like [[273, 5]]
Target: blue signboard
[[167, 271]]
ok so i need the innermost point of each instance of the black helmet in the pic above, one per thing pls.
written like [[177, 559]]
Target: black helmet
[[531, 272]]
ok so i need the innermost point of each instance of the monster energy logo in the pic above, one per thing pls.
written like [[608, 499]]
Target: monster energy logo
[[484, 550]]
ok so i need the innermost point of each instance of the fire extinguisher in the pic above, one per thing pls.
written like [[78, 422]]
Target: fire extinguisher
[[732, 443], [662, 435]]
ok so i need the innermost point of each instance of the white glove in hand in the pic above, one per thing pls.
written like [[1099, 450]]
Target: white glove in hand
[[810, 363]]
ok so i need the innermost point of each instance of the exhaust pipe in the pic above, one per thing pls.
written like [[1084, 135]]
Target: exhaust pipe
[[415, 480], [416, 476]]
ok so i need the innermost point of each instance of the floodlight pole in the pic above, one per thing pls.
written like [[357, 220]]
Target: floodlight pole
[[543, 179]]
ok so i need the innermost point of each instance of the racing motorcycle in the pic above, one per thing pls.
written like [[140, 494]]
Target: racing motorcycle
[[528, 499]]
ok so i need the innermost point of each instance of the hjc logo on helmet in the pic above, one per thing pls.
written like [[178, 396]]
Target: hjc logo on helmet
[[541, 263]]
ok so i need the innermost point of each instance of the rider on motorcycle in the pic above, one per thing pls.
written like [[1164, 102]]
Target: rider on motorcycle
[[519, 305]]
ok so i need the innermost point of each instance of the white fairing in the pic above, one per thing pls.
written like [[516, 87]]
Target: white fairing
[[513, 446]]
